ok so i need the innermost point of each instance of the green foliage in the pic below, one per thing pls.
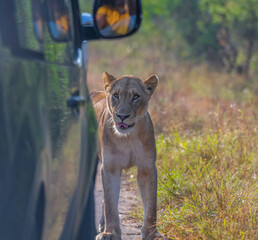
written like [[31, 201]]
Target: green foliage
[[230, 12], [240, 20], [185, 18], [220, 30]]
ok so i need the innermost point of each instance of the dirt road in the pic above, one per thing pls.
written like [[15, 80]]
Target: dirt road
[[129, 198]]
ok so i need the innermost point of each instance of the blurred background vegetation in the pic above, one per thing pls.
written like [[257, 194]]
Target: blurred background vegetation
[[204, 111], [222, 33]]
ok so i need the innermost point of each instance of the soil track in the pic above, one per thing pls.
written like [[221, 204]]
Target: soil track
[[129, 199]]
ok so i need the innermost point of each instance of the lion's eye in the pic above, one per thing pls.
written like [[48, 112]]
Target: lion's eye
[[135, 97], [115, 95]]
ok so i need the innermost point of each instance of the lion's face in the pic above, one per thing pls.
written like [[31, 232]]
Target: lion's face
[[127, 99]]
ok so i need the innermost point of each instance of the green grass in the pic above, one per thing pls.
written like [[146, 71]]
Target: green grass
[[207, 185]]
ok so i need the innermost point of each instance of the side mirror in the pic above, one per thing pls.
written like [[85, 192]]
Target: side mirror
[[111, 19], [116, 18]]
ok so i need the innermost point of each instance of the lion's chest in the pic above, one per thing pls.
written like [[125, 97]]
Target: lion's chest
[[124, 154]]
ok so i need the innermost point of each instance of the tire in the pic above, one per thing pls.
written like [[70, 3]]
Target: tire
[[87, 228]]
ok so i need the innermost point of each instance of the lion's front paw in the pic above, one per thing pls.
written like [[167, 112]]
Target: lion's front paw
[[107, 236], [152, 235], [104, 236], [158, 236]]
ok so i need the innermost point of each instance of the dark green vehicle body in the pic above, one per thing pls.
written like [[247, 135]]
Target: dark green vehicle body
[[47, 149], [48, 152]]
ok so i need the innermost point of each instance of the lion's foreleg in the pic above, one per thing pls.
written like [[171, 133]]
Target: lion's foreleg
[[111, 184], [147, 183], [102, 219]]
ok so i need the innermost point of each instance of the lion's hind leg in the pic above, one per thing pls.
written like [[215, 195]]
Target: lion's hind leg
[[102, 219], [147, 183]]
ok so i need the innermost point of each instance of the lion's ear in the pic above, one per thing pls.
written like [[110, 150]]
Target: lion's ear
[[108, 79], [151, 83]]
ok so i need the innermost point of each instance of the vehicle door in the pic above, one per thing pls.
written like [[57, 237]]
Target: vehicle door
[[24, 141], [69, 110]]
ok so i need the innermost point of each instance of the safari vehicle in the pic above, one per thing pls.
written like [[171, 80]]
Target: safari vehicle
[[47, 123]]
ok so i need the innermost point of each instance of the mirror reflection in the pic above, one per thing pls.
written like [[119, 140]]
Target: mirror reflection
[[59, 22], [116, 17]]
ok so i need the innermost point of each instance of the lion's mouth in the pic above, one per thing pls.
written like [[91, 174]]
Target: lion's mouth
[[123, 125]]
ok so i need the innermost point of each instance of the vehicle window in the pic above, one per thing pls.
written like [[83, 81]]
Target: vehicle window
[[29, 24], [58, 35], [59, 21], [37, 16]]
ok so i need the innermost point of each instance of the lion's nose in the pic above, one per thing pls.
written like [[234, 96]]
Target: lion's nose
[[123, 117]]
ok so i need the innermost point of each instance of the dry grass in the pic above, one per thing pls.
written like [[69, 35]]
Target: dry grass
[[207, 141]]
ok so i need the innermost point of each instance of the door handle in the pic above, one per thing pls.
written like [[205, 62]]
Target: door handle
[[75, 101]]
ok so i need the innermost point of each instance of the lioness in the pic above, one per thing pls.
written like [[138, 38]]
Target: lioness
[[126, 139]]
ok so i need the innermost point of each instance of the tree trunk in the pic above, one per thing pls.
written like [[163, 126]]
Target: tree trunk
[[229, 52], [248, 56]]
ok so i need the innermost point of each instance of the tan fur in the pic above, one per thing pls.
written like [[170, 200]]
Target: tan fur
[[122, 148]]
